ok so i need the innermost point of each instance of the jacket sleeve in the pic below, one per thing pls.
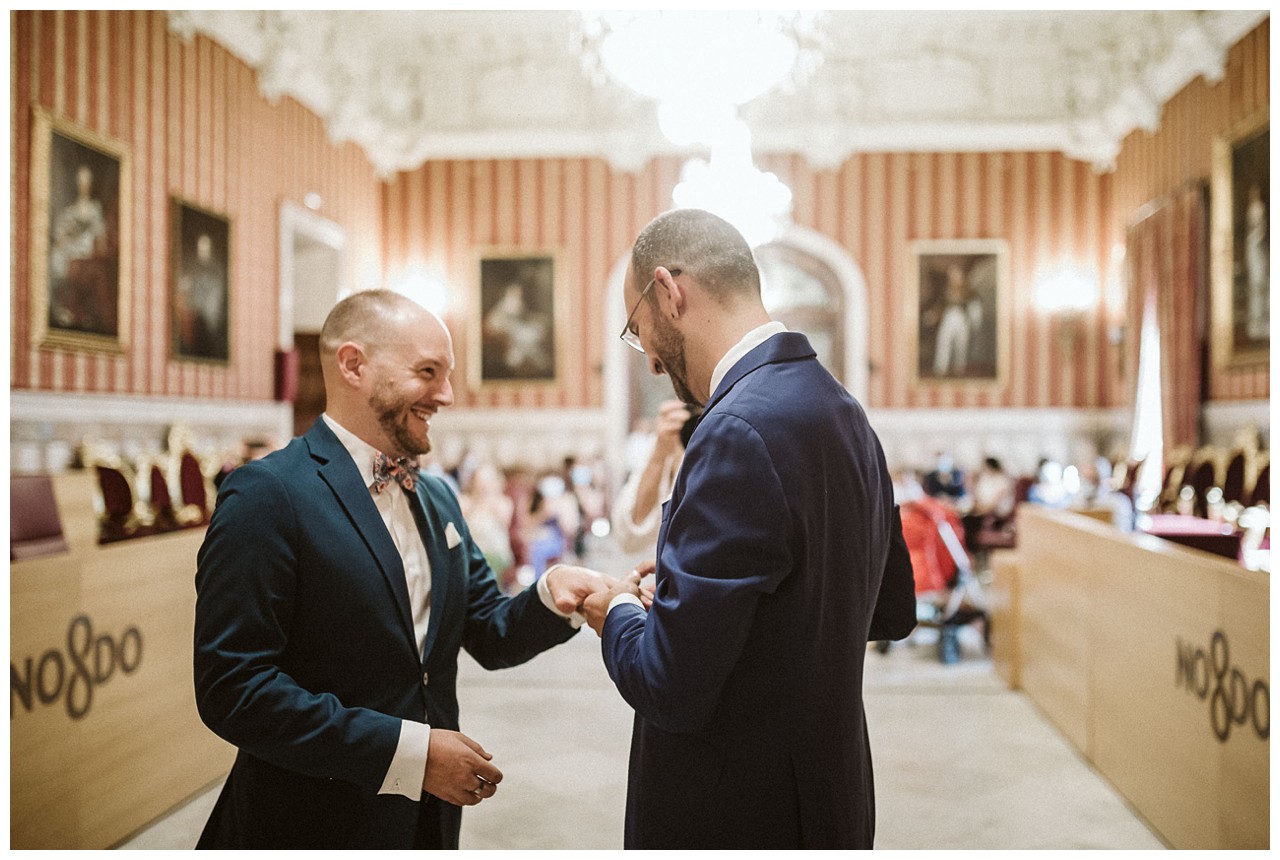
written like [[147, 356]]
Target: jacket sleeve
[[894, 616], [246, 580], [722, 552]]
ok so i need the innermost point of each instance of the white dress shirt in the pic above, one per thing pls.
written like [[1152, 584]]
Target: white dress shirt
[[409, 764], [736, 353]]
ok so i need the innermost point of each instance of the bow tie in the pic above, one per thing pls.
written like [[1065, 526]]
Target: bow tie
[[402, 470]]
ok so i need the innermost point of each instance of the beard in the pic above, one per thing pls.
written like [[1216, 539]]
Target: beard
[[668, 348], [395, 417]]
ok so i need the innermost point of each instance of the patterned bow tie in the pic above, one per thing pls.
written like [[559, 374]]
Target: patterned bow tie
[[402, 470]]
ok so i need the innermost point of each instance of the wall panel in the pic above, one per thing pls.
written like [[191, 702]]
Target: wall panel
[[874, 205], [1151, 166], [197, 128]]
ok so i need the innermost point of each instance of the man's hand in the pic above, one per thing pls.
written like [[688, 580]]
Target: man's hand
[[645, 570], [458, 769], [672, 415], [596, 607], [570, 586]]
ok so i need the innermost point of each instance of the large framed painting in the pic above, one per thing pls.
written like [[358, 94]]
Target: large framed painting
[[199, 284], [80, 193], [1241, 244], [957, 306], [517, 333]]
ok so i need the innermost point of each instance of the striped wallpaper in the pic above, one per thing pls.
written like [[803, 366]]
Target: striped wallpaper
[[1049, 208], [1152, 166], [199, 130], [191, 114]]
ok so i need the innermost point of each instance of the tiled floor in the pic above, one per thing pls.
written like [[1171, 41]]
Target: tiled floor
[[960, 761]]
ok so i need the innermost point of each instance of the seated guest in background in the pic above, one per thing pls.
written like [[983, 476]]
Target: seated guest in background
[[992, 499], [1049, 489], [334, 589], [636, 510], [945, 481]]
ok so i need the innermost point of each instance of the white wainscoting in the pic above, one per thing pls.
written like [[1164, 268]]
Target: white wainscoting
[[533, 438], [541, 438], [1225, 419], [46, 429], [1019, 438]]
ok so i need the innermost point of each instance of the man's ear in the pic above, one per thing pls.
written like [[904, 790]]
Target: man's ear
[[677, 296], [352, 363]]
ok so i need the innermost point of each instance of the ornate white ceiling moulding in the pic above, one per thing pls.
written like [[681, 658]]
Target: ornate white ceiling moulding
[[413, 86]]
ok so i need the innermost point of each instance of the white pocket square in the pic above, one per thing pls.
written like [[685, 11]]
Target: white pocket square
[[451, 536]]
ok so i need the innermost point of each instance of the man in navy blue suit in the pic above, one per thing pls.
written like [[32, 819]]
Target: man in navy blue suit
[[779, 556], [334, 589]]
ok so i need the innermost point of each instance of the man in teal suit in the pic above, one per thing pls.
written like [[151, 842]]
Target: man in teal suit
[[779, 556], [333, 591]]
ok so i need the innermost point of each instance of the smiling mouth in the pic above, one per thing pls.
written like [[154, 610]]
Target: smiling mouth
[[423, 415]]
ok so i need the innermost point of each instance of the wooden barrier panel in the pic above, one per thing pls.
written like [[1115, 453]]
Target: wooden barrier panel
[[103, 731], [1154, 660]]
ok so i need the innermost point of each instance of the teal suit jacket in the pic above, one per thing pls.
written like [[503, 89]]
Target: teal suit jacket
[[305, 655]]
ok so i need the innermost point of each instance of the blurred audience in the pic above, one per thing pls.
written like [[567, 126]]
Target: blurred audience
[[945, 481], [489, 511], [992, 499]]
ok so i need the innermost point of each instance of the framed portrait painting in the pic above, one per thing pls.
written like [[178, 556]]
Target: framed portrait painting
[[80, 192], [199, 285], [1240, 207], [517, 335], [958, 310]]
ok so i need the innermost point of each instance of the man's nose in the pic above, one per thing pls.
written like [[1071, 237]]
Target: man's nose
[[445, 395], [655, 366]]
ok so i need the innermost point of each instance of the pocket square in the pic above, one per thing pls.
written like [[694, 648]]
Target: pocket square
[[451, 536]]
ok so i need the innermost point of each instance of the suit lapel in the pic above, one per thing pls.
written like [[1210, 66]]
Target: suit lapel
[[433, 537], [340, 473]]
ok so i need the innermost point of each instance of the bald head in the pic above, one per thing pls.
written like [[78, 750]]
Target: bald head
[[371, 318], [386, 363], [705, 246]]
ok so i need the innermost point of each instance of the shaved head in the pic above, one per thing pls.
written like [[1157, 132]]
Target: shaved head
[[368, 318], [702, 244]]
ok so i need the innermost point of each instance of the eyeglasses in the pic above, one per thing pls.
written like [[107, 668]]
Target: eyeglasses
[[629, 337]]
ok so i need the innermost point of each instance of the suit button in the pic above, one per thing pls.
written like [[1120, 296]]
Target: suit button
[[425, 679]]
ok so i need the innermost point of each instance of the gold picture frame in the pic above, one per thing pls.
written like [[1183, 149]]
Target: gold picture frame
[[199, 284], [81, 191], [517, 331], [1240, 244], [957, 305]]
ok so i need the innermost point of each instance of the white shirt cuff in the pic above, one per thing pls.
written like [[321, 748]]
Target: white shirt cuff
[[625, 597], [575, 619], [409, 764]]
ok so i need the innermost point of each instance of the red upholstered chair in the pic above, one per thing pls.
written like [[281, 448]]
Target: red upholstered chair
[[164, 517], [117, 521], [1200, 478], [35, 529], [195, 498], [1233, 489], [1261, 491]]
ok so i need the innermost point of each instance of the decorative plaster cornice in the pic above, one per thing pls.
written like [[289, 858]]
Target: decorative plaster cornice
[[413, 86]]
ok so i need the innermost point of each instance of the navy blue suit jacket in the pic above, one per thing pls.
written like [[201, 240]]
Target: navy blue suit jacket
[[779, 556], [305, 656]]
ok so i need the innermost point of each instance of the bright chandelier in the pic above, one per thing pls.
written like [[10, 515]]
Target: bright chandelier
[[700, 67]]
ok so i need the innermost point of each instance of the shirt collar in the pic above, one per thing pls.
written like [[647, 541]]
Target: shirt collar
[[749, 341], [361, 451]]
